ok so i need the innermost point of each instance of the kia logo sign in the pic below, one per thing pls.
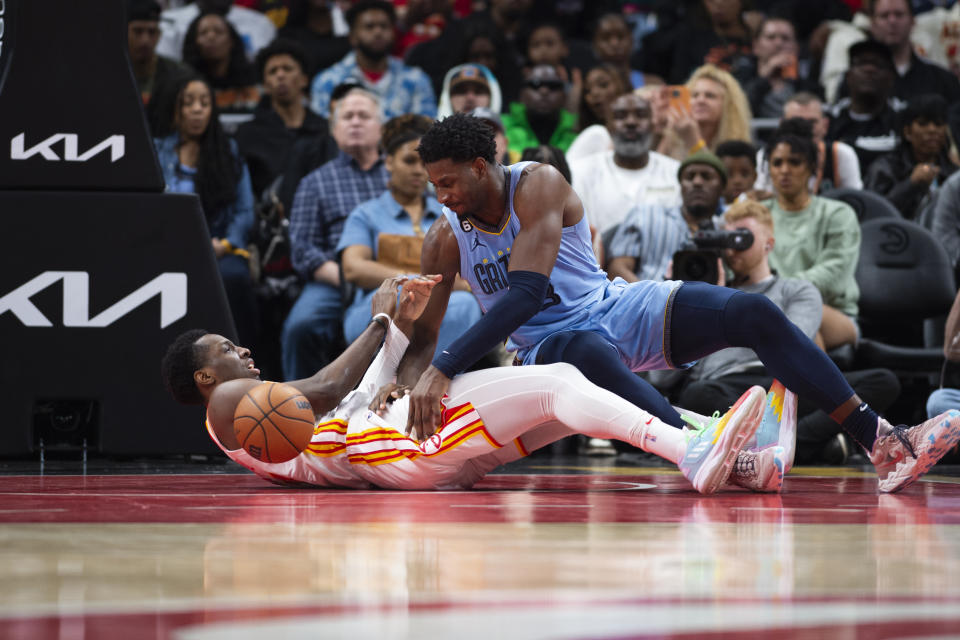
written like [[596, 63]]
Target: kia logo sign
[[171, 287], [71, 153]]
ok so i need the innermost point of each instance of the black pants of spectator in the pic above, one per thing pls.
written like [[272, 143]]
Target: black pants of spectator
[[242, 298], [877, 387]]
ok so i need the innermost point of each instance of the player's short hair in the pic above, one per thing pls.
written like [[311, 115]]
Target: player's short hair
[[183, 357], [460, 138], [749, 209], [361, 7], [737, 149], [281, 47]]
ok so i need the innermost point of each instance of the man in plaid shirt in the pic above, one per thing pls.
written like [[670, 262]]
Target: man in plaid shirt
[[312, 331]]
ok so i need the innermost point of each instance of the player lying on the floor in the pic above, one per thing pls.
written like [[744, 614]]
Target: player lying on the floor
[[489, 417]]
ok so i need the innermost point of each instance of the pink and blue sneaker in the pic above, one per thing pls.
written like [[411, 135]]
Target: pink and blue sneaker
[[768, 455], [714, 446]]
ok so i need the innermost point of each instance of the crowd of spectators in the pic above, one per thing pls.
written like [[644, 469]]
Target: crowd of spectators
[[669, 119]]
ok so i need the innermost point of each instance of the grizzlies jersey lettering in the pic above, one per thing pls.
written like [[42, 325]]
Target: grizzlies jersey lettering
[[576, 282]]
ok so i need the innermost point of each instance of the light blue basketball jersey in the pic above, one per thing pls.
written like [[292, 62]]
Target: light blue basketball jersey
[[576, 283], [634, 318]]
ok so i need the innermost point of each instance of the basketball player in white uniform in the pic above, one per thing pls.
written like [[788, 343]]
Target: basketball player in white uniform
[[490, 417]]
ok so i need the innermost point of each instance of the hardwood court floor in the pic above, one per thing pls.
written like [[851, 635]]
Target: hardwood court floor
[[555, 548]]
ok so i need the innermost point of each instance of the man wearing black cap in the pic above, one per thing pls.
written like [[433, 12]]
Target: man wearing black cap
[[150, 70], [866, 120]]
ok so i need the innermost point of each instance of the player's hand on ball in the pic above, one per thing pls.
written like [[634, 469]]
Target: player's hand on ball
[[387, 394], [385, 299], [415, 296], [424, 414]]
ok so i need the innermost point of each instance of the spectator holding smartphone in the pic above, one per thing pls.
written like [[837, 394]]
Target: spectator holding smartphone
[[778, 73], [716, 110]]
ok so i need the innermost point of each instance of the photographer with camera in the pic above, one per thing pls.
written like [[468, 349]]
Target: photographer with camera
[[650, 234], [719, 378]]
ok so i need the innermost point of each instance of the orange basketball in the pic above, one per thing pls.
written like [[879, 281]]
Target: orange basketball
[[273, 422]]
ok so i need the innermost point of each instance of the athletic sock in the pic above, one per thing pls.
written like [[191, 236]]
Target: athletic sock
[[862, 424], [655, 436]]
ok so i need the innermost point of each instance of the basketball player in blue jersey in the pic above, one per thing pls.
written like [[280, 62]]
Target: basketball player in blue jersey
[[519, 236], [492, 417]]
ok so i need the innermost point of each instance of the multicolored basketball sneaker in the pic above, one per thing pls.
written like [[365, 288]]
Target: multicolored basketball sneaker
[[713, 449], [760, 471], [903, 454], [779, 425], [769, 454]]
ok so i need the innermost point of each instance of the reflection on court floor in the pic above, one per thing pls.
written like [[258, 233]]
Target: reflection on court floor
[[619, 552]]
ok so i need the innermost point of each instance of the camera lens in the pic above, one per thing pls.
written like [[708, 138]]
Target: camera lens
[[696, 268]]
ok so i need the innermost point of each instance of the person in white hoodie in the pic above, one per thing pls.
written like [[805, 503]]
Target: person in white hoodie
[[466, 87]]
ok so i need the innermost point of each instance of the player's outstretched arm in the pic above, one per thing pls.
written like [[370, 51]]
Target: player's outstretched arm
[[541, 201], [440, 255], [332, 383], [327, 387]]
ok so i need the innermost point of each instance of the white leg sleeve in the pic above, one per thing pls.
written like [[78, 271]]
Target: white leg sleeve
[[513, 401]]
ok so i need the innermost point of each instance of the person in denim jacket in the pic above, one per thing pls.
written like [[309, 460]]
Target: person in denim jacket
[[197, 157]]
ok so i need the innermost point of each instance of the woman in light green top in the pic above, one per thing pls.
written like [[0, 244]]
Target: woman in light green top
[[817, 239]]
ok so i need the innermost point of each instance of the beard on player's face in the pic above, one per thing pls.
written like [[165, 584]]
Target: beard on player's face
[[373, 53]]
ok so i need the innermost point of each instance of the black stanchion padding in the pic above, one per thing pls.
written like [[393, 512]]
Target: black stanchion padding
[[71, 112], [77, 321]]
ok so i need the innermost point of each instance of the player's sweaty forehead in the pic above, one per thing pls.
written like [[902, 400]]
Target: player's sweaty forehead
[[446, 171]]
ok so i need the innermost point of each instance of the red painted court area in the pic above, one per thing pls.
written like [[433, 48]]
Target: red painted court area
[[613, 553], [550, 498]]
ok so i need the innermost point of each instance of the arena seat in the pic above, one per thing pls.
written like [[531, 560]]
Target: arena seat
[[905, 281], [867, 204]]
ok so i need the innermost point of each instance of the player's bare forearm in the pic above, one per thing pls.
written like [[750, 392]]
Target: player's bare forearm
[[327, 387], [440, 255], [415, 361], [424, 339]]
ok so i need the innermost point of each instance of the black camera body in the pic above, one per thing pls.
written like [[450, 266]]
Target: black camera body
[[697, 260]]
